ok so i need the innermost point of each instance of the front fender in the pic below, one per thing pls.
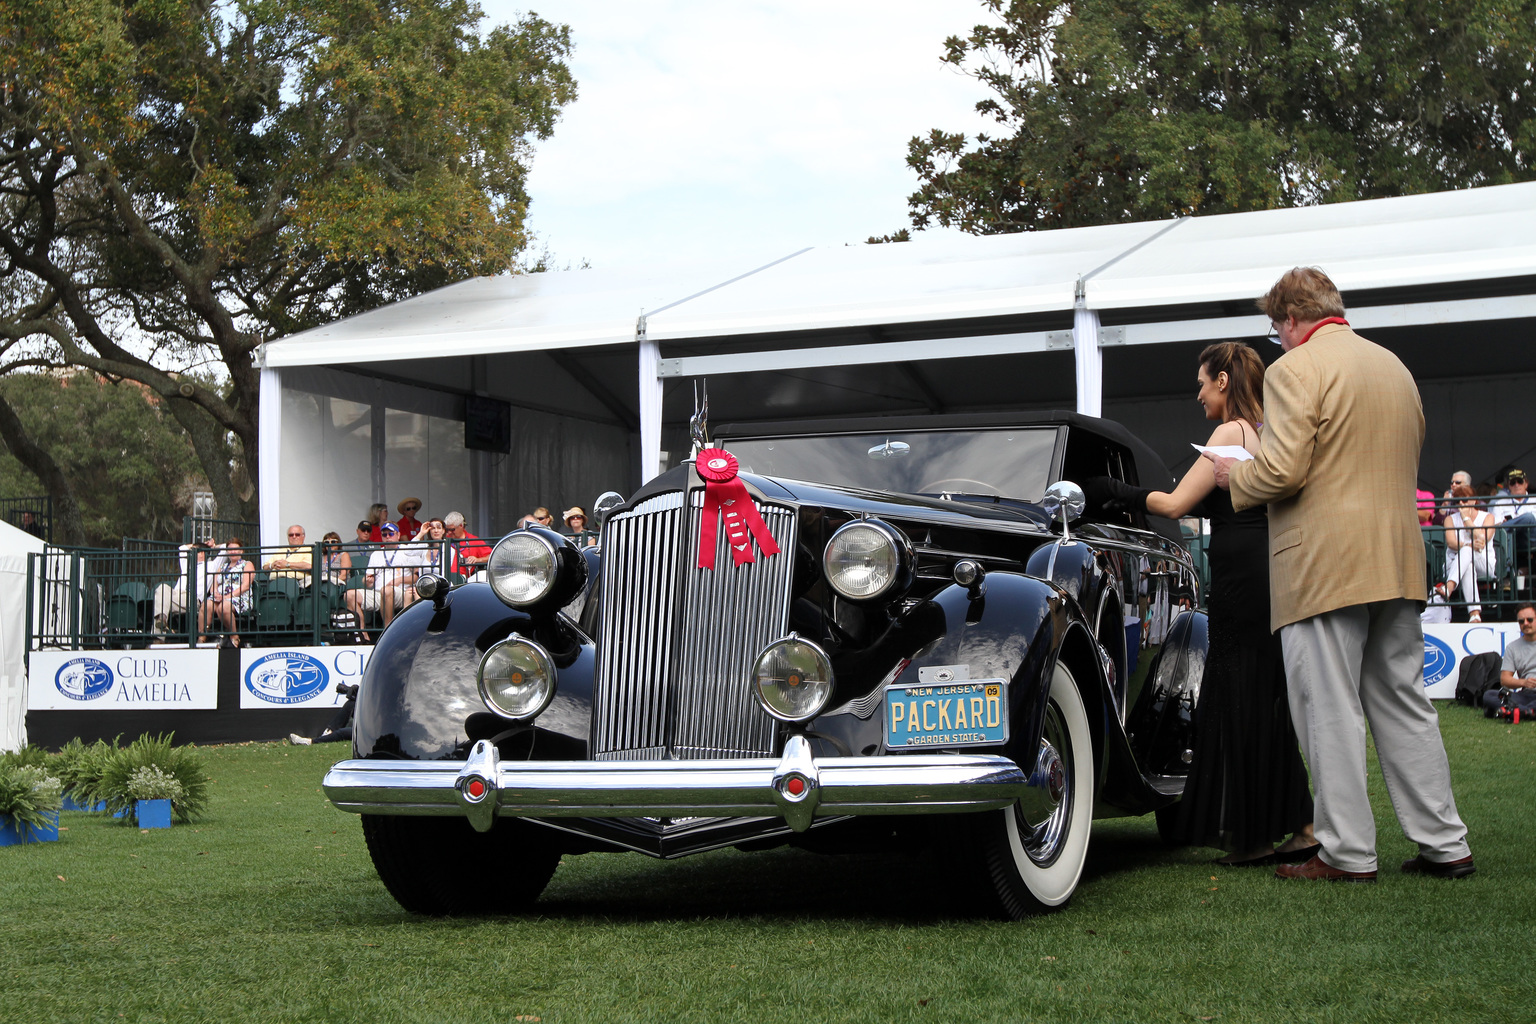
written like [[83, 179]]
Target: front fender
[[419, 698]]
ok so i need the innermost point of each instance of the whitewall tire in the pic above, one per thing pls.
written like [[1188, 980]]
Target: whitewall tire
[[1035, 856]]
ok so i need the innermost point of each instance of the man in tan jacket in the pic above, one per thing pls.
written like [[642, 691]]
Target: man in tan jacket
[[1338, 466]]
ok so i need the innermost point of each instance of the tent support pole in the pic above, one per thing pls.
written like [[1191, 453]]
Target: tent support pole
[[269, 433], [650, 404], [1089, 357]]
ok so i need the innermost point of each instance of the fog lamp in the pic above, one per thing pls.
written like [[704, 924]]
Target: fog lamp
[[793, 679], [517, 678]]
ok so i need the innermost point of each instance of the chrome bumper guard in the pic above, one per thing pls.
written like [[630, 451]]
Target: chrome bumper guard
[[796, 786]]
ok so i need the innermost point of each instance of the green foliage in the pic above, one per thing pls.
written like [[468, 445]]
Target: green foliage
[[132, 467], [29, 794], [80, 768], [28, 755], [181, 764], [1117, 110]]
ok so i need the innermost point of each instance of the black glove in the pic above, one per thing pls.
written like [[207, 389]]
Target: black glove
[[1111, 495]]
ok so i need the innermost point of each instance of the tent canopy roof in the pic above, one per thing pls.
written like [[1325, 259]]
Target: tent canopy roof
[[1438, 238]]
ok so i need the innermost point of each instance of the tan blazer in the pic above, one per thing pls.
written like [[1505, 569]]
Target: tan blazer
[[1338, 465]]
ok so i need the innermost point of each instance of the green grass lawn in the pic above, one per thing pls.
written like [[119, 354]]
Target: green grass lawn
[[269, 909]]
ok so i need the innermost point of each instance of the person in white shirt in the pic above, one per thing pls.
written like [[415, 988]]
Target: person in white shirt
[[1469, 549], [390, 579]]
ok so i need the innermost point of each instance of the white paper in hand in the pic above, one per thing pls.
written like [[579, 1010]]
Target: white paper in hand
[[1226, 451]]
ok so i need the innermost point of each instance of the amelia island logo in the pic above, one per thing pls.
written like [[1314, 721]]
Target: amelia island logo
[[1439, 660], [83, 678], [286, 677]]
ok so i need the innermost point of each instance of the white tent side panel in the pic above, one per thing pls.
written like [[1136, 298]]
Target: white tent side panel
[[14, 545]]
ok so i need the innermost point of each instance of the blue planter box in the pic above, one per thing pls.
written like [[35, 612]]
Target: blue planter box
[[71, 805], [14, 833], [153, 813]]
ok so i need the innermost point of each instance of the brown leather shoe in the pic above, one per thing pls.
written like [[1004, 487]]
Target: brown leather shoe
[[1316, 869], [1440, 869]]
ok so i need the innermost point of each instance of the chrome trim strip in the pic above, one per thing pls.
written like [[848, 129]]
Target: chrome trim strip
[[733, 787]]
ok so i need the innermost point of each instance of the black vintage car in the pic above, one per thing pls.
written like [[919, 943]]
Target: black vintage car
[[847, 635]]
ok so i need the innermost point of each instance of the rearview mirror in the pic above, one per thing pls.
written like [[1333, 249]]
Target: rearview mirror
[[890, 450]]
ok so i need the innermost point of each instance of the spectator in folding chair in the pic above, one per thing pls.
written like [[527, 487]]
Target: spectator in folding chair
[[1469, 550], [295, 561], [338, 561], [429, 540], [1517, 510], [172, 598], [231, 594], [470, 553]]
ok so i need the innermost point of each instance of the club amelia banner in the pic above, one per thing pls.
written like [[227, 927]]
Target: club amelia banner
[[123, 680], [298, 677], [1446, 645]]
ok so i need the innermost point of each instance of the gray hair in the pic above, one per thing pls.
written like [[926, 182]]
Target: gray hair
[[1461, 476], [453, 520]]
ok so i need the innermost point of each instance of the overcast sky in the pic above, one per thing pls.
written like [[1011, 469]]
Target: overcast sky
[[738, 129]]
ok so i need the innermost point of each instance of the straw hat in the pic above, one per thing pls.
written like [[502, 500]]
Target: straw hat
[[401, 507]]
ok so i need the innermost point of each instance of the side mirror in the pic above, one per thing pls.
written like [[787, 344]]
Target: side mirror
[[603, 507], [1067, 500]]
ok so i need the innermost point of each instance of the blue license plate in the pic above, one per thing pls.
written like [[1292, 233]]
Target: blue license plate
[[964, 714]]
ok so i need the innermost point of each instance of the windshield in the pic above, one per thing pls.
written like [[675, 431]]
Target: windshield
[[1012, 463]]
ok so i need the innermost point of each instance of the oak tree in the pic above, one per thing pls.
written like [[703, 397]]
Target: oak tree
[[182, 180], [1118, 110]]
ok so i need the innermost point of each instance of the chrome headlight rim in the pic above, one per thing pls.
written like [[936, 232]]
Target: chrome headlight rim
[[901, 577], [547, 664], [822, 657], [567, 569]]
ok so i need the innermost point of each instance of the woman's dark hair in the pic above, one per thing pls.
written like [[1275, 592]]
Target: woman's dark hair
[[1461, 492], [1245, 378], [236, 541]]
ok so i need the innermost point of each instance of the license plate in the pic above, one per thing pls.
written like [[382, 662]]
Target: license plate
[[964, 714]]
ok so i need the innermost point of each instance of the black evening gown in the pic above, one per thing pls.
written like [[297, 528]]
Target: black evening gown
[[1247, 783]]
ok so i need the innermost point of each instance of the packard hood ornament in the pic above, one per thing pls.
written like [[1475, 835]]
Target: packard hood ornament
[[698, 423]]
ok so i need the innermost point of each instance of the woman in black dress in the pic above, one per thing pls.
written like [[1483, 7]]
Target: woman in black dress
[[1247, 786]]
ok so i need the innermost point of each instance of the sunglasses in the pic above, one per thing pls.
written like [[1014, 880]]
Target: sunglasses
[[1526, 621]]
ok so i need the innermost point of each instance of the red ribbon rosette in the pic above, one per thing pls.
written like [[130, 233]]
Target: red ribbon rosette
[[725, 495]]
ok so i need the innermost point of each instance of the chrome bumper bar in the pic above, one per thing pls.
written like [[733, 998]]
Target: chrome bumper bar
[[796, 786]]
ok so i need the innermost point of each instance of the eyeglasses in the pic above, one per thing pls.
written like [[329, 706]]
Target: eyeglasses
[[1274, 332], [298, 533], [1526, 621]]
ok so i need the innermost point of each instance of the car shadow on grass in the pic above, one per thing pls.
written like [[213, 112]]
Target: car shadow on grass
[[789, 883]]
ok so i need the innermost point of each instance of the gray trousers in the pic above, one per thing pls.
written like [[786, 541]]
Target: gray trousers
[[1344, 668]]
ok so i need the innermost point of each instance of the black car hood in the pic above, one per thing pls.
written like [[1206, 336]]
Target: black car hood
[[1004, 512]]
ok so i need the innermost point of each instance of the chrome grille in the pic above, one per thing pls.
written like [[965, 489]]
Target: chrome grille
[[676, 642]]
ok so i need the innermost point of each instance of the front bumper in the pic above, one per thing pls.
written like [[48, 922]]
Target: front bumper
[[796, 786]]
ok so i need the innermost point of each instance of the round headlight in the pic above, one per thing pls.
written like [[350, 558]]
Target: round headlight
[[517, 678], [525, 566], [866, 559], [793, 679]]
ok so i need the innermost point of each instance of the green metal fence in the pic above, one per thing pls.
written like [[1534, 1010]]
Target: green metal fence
[[186, 595]]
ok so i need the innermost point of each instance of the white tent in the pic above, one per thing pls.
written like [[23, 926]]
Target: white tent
[[1105, 320], [14, 547]]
